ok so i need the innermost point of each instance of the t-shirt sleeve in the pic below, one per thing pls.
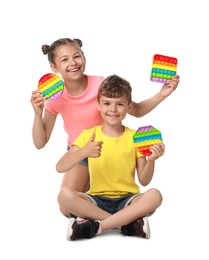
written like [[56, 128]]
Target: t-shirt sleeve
[[49, 106], [83, 138]]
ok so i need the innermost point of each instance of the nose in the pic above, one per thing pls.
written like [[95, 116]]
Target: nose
[[113, 107], [72, 61]]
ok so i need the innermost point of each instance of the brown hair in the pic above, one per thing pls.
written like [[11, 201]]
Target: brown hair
[[114, 87], [50, 50]]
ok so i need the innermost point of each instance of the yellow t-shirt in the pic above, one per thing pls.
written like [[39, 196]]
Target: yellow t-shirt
[[113, 173]]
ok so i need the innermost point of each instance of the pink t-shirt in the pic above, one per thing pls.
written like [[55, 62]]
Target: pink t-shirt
[[78, 112]]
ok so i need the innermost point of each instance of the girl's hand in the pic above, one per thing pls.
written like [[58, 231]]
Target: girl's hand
[[37, 101], [170, 86]]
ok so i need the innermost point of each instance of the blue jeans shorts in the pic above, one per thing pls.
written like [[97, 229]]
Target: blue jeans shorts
[[83, 162], [111, 205]]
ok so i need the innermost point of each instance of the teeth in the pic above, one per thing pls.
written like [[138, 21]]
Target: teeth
[[73, 70]]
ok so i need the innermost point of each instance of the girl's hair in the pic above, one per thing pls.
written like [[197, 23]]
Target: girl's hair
[[114, 87], [50, 50]]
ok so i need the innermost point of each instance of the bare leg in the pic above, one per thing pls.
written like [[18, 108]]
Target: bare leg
[[76, 179], [140, 207], [81, 206]]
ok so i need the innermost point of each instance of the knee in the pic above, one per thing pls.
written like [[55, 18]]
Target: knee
[[64, 195], [64, 199], [156, 195]]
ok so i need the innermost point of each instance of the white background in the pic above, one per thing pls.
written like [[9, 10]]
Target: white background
[[119, 37]]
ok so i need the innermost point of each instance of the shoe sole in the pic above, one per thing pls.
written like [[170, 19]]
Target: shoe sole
[[146, 227], [70, 229]]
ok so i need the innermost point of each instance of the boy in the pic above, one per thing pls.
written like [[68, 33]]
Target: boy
[[114, 199]]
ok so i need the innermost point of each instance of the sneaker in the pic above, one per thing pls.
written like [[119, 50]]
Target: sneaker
[[138, 228], [84, 229], [78, 219]]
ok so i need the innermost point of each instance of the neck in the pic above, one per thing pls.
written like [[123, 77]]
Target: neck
[[113, 130], [76, 87]]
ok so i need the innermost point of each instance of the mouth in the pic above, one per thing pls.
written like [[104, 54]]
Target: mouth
[[73, 70], [113, 116]]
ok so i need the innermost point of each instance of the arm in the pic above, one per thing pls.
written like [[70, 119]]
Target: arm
[[42, 127], [145, 167], [75, 154], [144, 107]]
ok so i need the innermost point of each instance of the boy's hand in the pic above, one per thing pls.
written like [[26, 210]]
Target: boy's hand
[[37, 101], [170, 86], [157, 151], [93, 149]]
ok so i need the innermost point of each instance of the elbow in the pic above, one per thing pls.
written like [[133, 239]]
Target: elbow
[[39, 147], [39, 144], [144, 184], [59, 168]]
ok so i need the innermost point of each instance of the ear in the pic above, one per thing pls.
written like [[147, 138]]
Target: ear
[[98, 106], [130, 105], [53, 68]]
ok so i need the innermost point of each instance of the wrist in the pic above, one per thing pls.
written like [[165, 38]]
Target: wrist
[[160, 97], [83, 154]]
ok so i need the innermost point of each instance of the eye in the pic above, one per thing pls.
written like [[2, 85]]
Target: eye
[[64, 60], [77, 56]]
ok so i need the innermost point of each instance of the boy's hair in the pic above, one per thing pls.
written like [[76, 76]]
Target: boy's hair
[[50, 50], [114, 87]]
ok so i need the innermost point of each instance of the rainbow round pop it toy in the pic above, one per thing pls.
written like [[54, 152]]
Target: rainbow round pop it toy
[[145, 137], [51, 86], [163, 68]]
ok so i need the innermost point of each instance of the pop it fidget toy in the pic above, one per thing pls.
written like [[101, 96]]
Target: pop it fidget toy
[[51, 86], [163, 68], [145, 137]]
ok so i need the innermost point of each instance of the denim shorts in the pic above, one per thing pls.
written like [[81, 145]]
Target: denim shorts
[[83, 162], [111, 205]]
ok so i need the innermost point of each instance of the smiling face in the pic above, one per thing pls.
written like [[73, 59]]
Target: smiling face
[[113, 110], [69, 61], [114, 99]]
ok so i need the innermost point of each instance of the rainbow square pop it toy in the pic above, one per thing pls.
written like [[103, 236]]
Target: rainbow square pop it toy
[[145, 137], [163, 68], [51, 86]]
